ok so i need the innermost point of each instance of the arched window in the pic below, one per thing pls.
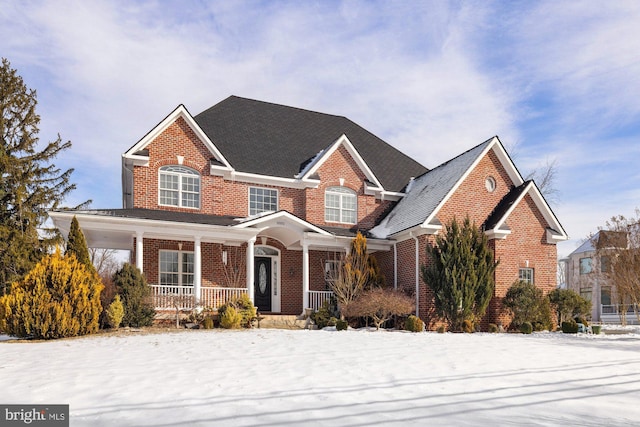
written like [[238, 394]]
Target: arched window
[[340, 205], [179, 186]]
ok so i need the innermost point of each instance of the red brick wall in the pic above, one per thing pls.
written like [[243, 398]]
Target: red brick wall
[[526, 242], [222, 197]]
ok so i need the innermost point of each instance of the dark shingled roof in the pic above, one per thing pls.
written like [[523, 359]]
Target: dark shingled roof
[[276, 140], [162, 215], [504, 205]]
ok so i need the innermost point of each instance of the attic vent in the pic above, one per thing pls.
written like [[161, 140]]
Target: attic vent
[[490, 184]]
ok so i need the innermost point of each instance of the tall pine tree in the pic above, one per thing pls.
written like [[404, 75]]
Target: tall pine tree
[[30, 184], [460, 274]]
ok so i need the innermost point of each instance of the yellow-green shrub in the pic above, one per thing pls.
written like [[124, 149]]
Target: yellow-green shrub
[[230, 318], [243, 307], [59, 298], [414, 324], [115, 312]]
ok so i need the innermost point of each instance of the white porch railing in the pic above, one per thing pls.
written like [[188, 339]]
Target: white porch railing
[[317, 298], [214, 297], [611, 313], [172, 297], [183, 297]]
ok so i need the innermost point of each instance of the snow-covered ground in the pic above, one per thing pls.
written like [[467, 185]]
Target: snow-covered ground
[[351, 378]]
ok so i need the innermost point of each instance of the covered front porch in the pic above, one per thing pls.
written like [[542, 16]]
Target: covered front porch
[[192, 260]]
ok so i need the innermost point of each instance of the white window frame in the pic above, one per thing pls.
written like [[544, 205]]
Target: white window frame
[[182, 274], [526, 274], [261, 210], [182, 173], [342, 193]]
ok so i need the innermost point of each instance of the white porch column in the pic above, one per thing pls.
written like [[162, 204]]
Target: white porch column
[[250, 266], [197, 270], [139, 254], [305, 276]]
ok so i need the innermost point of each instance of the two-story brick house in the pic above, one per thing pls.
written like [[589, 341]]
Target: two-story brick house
[[255, 197]]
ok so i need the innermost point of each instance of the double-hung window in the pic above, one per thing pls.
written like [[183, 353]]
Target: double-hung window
[[526, 275], [340, 205], [262, 200], [176, 268], [179, 186]]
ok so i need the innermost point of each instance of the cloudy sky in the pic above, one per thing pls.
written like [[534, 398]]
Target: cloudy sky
[[556, 81]]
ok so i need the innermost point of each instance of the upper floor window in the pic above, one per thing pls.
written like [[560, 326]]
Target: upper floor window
[[526, 275], [262, 200], [179, 186], [340, 205], [585, 266]]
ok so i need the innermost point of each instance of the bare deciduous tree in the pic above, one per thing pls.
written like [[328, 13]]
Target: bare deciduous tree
[[234, 268], [618, 250], [380, 304], [352, 275], [105, 261], [545, 179]]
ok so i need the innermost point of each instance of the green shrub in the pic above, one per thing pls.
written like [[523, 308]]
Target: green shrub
[[58, 298], [135, 295], [568, 303], [115, 312], [570, 327], [414, 324], [441, 329], [342, 325], [493, 328], [230, 318], [242, 307], [325, 315], [526, 303], [207, 323], [467, 326], [526, 328]]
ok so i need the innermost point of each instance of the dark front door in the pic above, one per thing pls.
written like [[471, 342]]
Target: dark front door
[[262, 283]]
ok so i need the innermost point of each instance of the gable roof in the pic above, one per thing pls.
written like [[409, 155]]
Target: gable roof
[[426, 193], [276, 140], [139, 152], [496, 222]]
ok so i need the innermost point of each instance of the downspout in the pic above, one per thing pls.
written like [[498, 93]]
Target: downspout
[[395, 266], [417, 274]]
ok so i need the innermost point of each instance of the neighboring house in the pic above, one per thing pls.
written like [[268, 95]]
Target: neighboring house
[[255, 197], [586, 269]]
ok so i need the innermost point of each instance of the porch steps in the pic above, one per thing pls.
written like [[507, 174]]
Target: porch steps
[[279, 321]]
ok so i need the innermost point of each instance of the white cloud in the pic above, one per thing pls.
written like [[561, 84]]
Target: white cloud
[[432, 78]]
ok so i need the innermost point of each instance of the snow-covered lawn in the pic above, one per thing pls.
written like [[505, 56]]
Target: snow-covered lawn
[[351, 378]]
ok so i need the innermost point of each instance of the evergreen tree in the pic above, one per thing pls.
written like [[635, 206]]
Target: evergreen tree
[[30, 184], [135, 295], [58, 298], [460, 273], [77, 245]]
